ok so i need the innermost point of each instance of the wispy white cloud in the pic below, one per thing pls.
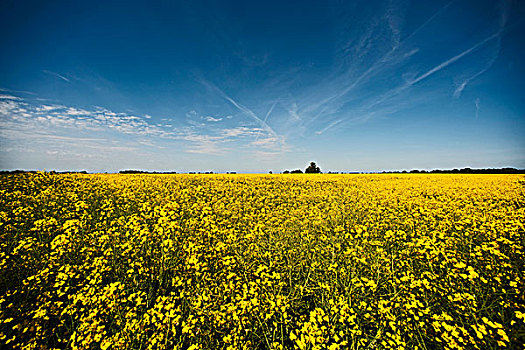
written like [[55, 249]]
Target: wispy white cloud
[[62, 131], [359, 47], [394, 22], [9, 97], [218, 143], [293, 112], [24, 92], [267, 156], [27, 121], [191, 114], [75, 112], [66, 138], [267, 142], [212, 119], [205, 147], [7, 106], [47, 108], [461, 87], [476, 103], [239, 131]]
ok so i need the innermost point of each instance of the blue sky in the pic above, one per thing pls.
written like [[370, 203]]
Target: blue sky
[[253, 86]]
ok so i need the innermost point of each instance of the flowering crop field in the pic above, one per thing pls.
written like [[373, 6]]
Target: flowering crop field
[[262, 261]]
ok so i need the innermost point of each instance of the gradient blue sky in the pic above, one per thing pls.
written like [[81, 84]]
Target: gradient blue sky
[[252, 86]]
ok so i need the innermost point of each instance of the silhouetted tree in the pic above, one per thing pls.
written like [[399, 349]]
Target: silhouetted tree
[[296, 171], [286, 172], [312, 169]]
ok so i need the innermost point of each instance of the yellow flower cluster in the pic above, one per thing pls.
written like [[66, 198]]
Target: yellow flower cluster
[[262, 261]]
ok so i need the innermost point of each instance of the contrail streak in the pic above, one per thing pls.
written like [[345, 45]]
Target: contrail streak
[[56, 75], [376, 65], [266, 118], [243, 109], [453, 59]]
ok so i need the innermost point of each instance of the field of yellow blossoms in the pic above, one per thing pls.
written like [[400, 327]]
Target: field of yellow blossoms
[[262, 261]]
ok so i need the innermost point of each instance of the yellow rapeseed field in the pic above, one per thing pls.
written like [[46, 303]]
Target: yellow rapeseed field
[[262, 261]]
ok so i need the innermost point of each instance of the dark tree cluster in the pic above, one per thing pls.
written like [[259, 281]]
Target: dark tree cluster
[[311, 169]]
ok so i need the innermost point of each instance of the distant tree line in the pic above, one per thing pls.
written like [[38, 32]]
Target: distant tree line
[[52, 172], [145, 172], [462, 171], [311, 169]]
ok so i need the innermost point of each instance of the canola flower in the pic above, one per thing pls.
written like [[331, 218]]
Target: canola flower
[[258, 261]]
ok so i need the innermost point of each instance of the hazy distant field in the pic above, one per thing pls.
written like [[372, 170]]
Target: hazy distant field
[[262, 261]]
